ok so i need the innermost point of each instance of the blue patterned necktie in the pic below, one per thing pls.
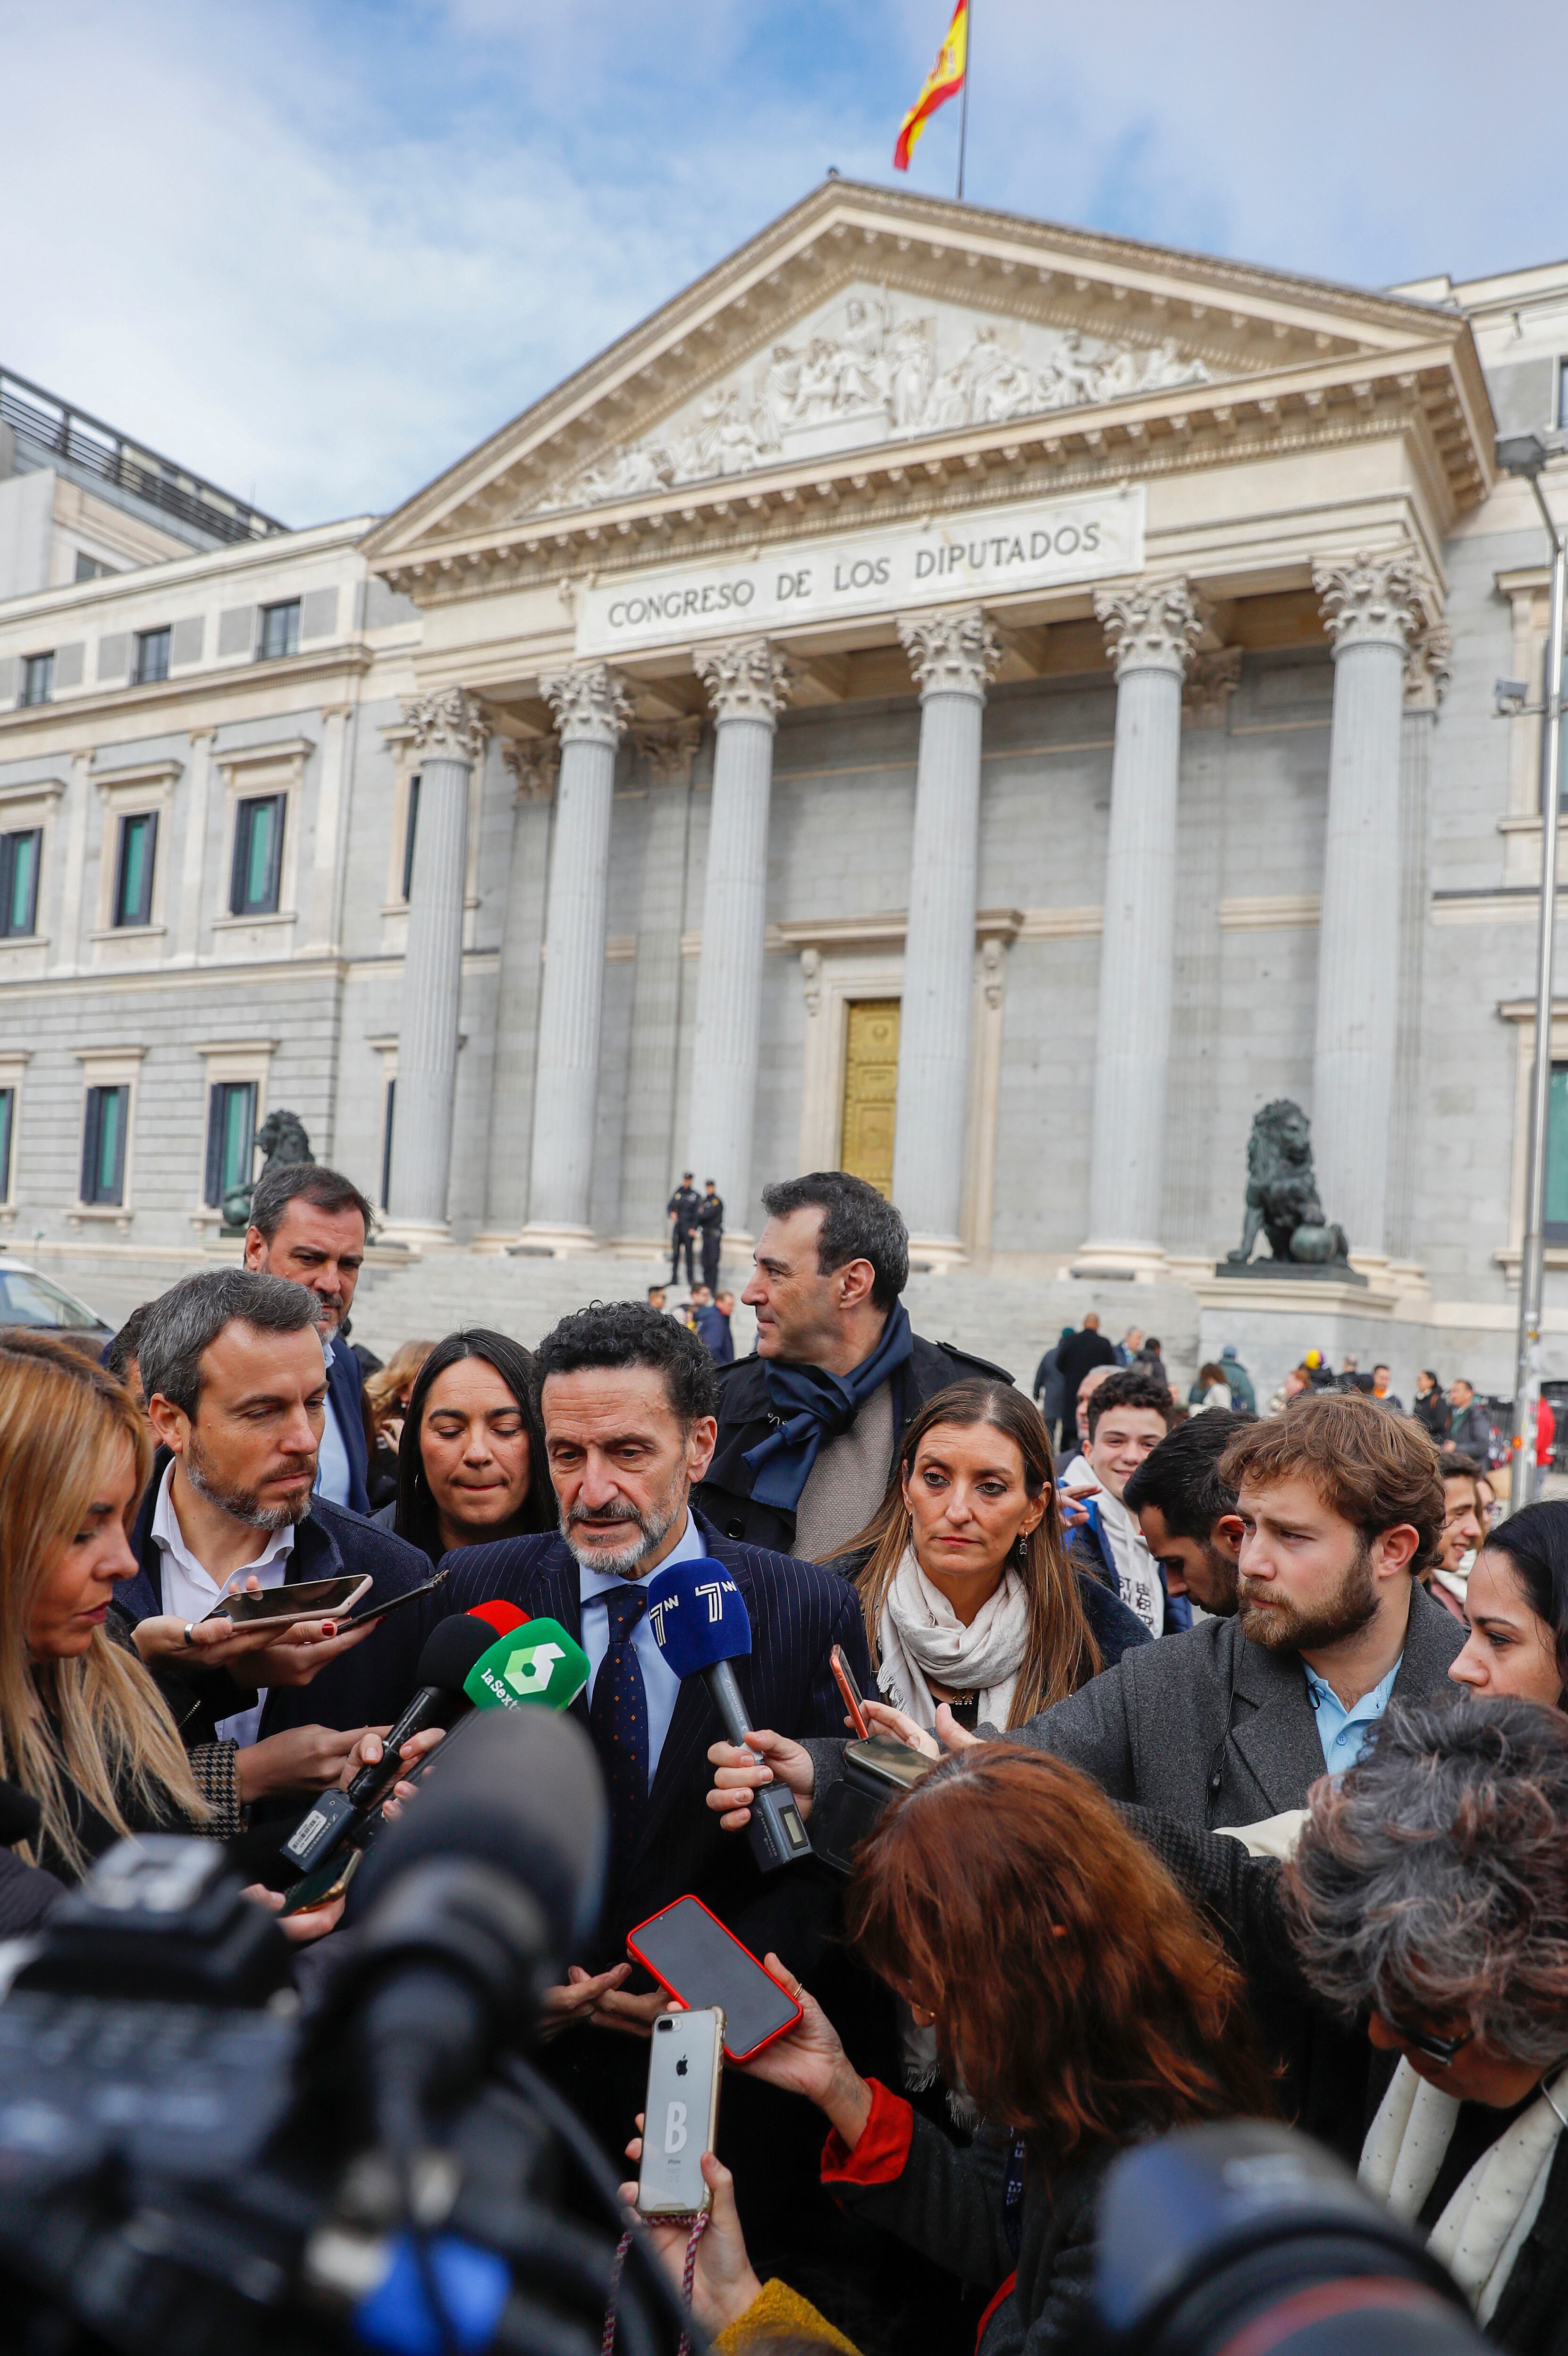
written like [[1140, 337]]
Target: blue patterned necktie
[[618, 1717]]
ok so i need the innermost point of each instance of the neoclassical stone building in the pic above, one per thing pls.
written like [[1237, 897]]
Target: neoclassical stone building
[[987, 704]]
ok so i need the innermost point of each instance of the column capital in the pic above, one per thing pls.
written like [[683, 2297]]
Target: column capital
[[447, 724], [746, 679], [671, 748], [592, 704], [951, 653], [1381, 599], [1211, 681], [1153, 625], [1427, 667], [534, 764]]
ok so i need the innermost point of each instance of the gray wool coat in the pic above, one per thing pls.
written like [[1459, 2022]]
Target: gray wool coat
[[1206, 1726]]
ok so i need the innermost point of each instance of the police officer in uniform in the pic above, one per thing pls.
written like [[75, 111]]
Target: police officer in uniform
[[683, 1207]]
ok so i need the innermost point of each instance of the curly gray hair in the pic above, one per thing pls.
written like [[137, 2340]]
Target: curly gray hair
[[1433, 1880]]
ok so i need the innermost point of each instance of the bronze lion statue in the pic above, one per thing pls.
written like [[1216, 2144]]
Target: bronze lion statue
[[1282, 1192], [282, 1138]]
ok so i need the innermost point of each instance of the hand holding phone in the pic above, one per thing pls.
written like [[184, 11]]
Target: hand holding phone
[[690, 1952], [853, 1701], [681, 2114]]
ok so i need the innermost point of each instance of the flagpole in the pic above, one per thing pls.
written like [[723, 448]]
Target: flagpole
[[964, 108]]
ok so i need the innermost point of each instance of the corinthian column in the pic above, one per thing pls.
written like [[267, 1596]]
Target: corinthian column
[[449, 737], [1374, 608], [747, 682], [591, 706], [951, 656], [1151, 630]]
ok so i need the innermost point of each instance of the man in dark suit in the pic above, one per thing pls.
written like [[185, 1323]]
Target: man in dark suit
[[682, 1212], [309, 1224], [808, 1429], [628, 1398], [236, 1395]]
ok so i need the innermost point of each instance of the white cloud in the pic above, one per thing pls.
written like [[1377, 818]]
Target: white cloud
[[316, 252]]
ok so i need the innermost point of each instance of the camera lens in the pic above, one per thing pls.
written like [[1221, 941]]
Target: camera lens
[[664, 2021]]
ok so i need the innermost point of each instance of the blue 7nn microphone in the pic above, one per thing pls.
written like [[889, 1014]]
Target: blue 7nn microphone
[[701, 1624]]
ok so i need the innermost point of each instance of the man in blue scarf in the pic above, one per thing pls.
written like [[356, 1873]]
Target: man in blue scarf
[[809, 1427]]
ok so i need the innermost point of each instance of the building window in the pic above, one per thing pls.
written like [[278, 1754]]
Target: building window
[[258, 856], [387, 1143], [133, 869], [104, 1145], [38, 679], [19, 855], [1556, 1218], [230, 1138], [89, 568], [152, 658], [280, 631], [411, 829], [8, 1136]]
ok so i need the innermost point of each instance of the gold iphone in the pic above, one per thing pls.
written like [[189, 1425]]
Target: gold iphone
[[680, 2117]]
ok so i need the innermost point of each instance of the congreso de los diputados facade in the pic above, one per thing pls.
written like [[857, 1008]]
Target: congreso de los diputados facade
[[985, 704]]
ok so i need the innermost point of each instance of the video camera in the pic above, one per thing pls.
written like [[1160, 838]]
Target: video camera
[[190, 2160]]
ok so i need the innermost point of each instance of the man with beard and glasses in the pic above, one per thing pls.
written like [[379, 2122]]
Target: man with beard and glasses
[[1232, 1722], [233, 1367]]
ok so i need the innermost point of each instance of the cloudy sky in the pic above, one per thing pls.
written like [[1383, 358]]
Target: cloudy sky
[[317, 248]]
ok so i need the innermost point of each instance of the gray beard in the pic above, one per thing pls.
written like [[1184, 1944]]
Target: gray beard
[[623, 1561], [239, 1505]]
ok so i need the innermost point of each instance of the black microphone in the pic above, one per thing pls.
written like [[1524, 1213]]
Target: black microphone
[[451, 1650], [467, 1910], [701, 1624]]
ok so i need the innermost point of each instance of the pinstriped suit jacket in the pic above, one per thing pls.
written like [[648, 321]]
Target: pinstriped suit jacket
[[798, 1612]]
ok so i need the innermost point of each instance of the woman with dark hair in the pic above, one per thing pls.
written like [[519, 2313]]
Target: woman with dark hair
[[964, 1584], [470, 1463], [1431, 1409], [1075, 1996], [1516, 1603]]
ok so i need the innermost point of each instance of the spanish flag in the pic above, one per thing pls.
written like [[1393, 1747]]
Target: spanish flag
[[944, 81]]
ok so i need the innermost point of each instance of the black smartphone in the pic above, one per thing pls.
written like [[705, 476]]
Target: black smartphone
[[690, 1952], [320, 1888], [373, 1610]]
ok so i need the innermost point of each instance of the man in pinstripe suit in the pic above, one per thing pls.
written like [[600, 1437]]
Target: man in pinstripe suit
[[629, 1403]]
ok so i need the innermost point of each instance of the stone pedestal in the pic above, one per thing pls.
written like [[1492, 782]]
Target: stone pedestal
[[747, 682], [591, 706], [1152, 630], [450, 736], [951, 656], [1374, 608], [1274, 1320]]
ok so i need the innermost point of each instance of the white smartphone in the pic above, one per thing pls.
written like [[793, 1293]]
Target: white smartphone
[[680, 2117]]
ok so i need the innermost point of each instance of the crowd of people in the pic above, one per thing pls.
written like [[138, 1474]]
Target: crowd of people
[[1234, 1766]]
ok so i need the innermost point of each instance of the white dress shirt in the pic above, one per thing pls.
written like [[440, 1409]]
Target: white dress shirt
[[190, 1590], [660, 1680], [332, 1478]]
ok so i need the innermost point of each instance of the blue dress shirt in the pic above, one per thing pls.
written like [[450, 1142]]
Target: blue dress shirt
[[660, 1680], [1343, 1732], [334, 1480]]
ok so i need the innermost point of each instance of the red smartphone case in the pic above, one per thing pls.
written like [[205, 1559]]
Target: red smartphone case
[[633, 1949]]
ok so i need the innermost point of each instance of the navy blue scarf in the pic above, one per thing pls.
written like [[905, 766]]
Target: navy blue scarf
[[814, 1406]]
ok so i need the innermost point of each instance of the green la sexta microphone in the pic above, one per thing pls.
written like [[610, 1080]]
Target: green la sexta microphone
[[537, 1663]]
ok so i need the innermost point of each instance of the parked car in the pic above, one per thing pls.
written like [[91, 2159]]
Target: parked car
[[31, 1299]]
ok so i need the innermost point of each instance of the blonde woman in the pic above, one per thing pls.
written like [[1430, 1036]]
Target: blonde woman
[[965, 1583], [386, 1404], [84, 1732]]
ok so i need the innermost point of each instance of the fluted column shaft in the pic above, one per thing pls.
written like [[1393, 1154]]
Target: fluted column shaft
[[1373, 606], [591, 706], [747, 682], [1152, 630], [952, 655], [449, 737]]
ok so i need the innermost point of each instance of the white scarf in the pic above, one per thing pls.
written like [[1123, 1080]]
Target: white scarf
[[920, 1636], [1480, 2233]]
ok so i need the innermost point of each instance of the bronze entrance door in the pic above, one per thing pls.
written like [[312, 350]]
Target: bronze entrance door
[[870, 1090]]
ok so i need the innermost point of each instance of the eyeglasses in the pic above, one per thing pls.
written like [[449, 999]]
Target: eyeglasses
[[1440, 2050]]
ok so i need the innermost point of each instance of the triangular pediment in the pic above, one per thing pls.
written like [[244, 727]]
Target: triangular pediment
[[865, 325]]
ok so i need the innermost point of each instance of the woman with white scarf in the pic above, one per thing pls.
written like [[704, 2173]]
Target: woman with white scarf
[[964, 1577]]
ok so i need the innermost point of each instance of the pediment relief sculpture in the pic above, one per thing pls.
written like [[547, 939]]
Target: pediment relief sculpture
[[864, 371]]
